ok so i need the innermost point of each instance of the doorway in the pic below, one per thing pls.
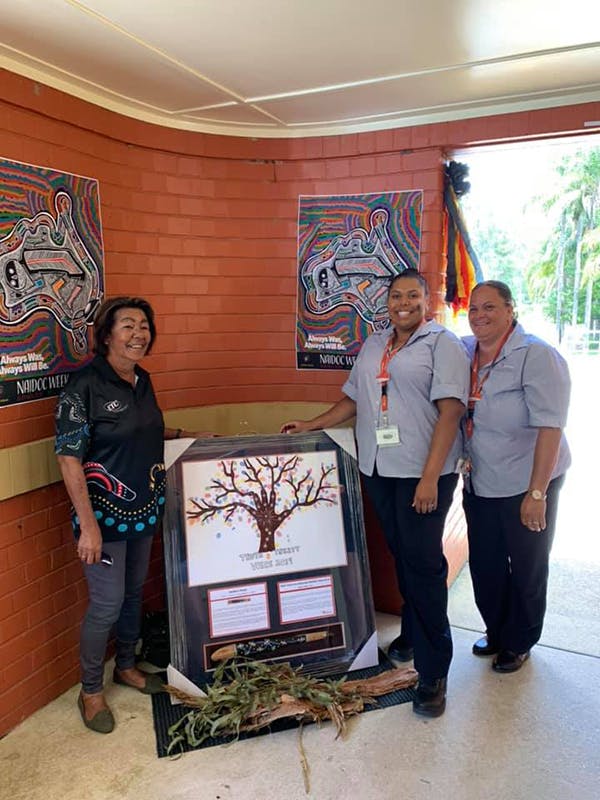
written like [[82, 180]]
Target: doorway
[[533, 215]]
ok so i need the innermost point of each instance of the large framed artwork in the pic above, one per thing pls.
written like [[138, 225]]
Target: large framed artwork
[[349, 248], [51, 277], [265, 554]]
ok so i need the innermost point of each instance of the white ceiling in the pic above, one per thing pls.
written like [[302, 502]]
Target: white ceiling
[[306, 67]]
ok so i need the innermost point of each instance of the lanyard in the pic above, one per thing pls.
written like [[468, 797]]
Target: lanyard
[[384, 376], [476, 384]]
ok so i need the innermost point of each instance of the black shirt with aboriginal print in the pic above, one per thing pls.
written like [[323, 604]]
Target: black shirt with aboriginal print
[[117, 432]]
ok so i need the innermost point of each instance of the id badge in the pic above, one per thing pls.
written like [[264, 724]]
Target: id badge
[[387, 436]]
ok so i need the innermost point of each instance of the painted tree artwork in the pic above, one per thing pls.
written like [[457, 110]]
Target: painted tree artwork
[[256, 490], [263, 515]]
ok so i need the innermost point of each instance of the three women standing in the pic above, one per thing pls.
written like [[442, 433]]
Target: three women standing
[[408, 389]]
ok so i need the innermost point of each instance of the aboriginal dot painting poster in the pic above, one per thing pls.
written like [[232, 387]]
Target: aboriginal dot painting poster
[[349, 248], [51, 278], [262, 515]]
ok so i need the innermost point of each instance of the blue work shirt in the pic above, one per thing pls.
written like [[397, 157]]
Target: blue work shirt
[[431, 366], [528, 388]]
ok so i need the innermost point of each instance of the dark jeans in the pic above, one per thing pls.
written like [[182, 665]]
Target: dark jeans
[[115, 596], [509, 566], [415, 541]]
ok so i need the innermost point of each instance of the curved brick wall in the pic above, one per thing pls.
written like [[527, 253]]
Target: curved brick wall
[[204, 227]]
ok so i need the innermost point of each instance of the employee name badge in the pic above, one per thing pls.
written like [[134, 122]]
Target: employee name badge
[[387, 435]]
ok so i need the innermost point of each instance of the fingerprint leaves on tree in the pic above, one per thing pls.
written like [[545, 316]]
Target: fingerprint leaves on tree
[[268, 489]]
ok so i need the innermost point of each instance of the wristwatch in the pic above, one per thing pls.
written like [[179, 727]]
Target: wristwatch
[[536, 494]]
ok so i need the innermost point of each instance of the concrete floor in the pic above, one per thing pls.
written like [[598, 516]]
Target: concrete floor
[[533, 734], [572, 620]]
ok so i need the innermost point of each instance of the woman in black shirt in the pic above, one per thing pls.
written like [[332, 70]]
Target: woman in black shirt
[[109, 443]]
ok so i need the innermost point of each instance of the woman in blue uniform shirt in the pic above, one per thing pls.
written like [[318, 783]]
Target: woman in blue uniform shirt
[[408, 390], [110, 444], [519, 396]]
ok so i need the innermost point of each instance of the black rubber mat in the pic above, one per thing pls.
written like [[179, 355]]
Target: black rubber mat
[[165, 714]]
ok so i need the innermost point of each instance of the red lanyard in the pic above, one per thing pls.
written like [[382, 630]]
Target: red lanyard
[[384, 376], [476, 384]]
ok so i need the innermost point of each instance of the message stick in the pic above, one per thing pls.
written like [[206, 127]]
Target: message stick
[[261, 646]]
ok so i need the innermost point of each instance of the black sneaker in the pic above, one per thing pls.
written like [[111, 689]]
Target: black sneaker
[[431, 697], [400, 650]]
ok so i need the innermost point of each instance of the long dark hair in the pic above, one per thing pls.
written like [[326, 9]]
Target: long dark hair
[[105, 320]]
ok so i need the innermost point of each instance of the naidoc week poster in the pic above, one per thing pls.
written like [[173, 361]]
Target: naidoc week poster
[[349, 247], [51, 278]]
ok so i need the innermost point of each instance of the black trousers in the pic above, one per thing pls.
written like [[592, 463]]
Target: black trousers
[[509, 566], [415, 541]]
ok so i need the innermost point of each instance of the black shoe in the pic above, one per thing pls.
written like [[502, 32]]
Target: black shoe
[[507, 661], [400, 650], [431, 697], [483, 647]]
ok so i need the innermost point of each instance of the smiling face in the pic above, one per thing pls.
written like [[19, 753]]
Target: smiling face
[[129, 338], [407, 305], [490, 315]]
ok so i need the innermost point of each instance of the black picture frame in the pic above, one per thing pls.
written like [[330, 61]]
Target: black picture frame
[[341, 636]]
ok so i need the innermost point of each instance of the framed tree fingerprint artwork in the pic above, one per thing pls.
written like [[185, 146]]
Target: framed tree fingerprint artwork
[[265, 554], [262, 515]]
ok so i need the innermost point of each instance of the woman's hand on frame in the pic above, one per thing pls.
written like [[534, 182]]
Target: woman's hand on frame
[[295, 426]]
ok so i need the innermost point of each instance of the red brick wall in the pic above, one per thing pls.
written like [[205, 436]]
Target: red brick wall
[[205, 228], [42, 597], [42, 600]]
